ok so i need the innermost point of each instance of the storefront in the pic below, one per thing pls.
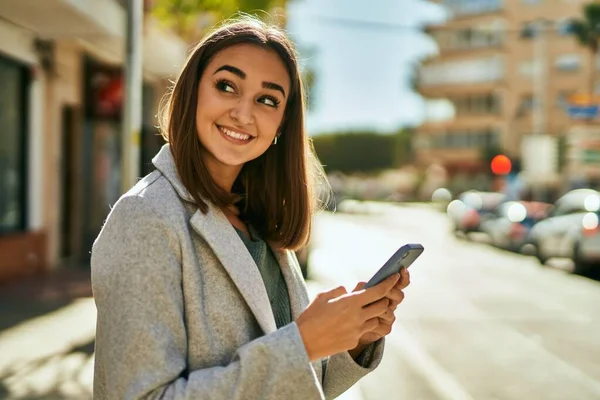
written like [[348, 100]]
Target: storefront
[[60, 135], [101, 145], [22, 251], [13, 158]]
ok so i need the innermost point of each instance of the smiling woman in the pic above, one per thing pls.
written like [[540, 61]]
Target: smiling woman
[[243, 105], [198, 291]]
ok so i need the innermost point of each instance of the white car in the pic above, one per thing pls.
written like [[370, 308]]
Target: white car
[[571, 230]]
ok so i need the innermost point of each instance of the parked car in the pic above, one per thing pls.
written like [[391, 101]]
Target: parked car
[[571, 230], [472, 208], [513, 221]]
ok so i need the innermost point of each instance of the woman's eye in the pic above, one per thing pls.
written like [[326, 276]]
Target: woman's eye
[[225, 86], [269, 101]]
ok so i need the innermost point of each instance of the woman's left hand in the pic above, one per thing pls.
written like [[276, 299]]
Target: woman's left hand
[[386, 320]]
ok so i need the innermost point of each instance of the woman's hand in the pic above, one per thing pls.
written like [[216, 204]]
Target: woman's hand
[[386, 320], [336, 320]]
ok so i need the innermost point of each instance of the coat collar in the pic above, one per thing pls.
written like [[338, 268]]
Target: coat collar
[[221, 236], [165, 163]]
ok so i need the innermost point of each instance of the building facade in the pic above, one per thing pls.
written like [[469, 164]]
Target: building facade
[[505, 70], [60, 107]]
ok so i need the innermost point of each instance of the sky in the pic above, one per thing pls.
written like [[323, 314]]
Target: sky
[[363, 54]]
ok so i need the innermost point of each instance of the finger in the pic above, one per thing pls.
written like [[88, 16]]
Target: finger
[[378, 291], [383, 328], [395, 295], [404, 280], [370, 325], [331, 294], [388, 316], [376, 309], [359, 286]]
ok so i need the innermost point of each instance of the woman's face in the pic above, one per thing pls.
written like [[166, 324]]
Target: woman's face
[[241, 102]]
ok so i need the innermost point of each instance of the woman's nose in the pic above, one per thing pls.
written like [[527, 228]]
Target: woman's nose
[[243, 112]]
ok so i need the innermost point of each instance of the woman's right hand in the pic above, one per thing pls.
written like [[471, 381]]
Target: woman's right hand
[[336, 319]]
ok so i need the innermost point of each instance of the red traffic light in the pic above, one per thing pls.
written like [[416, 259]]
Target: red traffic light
[[501, 165]]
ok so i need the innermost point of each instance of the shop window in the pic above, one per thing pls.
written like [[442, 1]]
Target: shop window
[[13, 106]]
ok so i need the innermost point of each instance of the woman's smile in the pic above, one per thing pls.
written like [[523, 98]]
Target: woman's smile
[[234, 135]]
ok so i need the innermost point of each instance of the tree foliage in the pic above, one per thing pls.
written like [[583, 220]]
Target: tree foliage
[[587, 29], [362, 151], [587, 32], [190, 18]]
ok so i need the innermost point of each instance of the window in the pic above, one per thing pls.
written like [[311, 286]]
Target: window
[[486, 69], [13, 103], [568, 62], [527, 68], [564, 27], [477, 104], [562, 99]]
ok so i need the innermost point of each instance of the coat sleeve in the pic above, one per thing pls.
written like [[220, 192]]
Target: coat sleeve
[[141, 343], [341, 371]]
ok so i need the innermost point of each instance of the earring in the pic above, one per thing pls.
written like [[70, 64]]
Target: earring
[[275, 141]]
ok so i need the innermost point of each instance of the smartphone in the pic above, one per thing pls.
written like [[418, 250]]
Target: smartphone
[[402, 258]]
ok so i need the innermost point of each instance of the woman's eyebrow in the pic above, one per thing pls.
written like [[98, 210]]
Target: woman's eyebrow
[[233, 70], [273, 86], [242, 75]]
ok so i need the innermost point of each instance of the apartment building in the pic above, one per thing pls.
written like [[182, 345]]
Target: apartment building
[[504, 70], [61, 65]]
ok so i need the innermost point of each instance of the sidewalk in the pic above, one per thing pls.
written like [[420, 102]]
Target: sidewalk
[[47, 327]]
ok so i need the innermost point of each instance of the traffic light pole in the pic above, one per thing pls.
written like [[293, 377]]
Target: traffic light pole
[[132, 122]]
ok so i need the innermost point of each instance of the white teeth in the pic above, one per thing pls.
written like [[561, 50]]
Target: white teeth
[[235, 135]]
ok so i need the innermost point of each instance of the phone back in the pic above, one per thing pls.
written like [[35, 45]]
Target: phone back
[[404, 257]]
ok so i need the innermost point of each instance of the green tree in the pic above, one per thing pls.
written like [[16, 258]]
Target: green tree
[[190, 18], [350, 152], [587, 32]]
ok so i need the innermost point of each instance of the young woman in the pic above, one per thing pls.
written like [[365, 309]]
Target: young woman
[[198, 291]]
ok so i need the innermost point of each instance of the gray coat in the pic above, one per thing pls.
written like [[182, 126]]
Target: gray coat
[[183, 312]]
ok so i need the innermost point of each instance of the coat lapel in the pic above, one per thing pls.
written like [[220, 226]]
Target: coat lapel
[[237, 261], [226, 244]]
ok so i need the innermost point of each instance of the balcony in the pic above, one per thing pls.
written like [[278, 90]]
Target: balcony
[[462, 72], [56, 19], [463, 8], [99, 26]]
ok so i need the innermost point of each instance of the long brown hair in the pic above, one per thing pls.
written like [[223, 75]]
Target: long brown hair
[[276, 190]]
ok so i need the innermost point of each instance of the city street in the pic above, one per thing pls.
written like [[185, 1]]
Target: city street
[[477, 323]]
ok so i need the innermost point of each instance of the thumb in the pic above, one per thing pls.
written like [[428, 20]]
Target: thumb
[[359, 286], [332, 294]]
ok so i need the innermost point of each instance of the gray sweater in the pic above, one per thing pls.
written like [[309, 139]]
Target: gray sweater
[[271, 274]]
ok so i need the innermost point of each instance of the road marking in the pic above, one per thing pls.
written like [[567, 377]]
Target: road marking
[[440, 380]]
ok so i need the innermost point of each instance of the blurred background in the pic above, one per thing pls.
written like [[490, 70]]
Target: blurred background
[[470, 126]]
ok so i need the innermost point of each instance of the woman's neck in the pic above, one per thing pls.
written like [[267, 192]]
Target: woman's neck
[[223, 175]]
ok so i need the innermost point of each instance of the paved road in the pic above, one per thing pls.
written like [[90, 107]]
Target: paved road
[[477, 322]]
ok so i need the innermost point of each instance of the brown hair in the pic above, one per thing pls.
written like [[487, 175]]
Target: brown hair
[[275, 189]]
